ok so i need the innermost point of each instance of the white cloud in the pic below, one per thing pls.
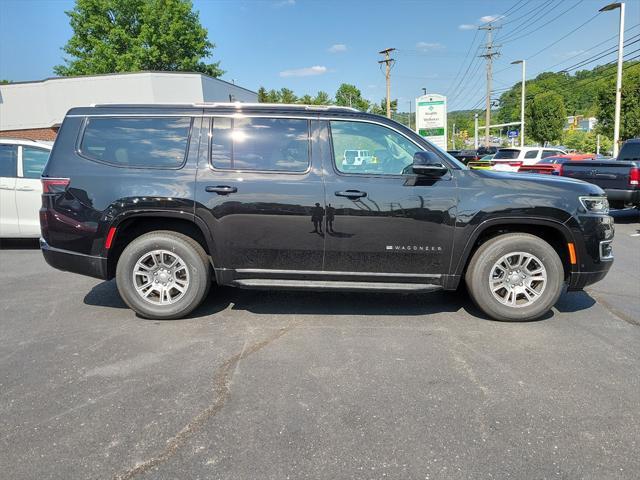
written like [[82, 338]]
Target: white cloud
[[491, 18], [337, 48], [304, 72], [467, 26], [426, 46], [285, 3]]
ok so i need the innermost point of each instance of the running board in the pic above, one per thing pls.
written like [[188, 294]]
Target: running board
[[279, 284]]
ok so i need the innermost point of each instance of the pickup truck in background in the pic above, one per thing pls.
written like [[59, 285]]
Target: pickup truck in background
[[619, 177]]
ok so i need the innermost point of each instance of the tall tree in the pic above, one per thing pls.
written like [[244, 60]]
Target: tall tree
[[350, 96], [112, 36], [546, 116], [629, 106]]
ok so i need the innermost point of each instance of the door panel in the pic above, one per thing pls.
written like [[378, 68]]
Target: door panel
[[259, 192], [9, 226], [29, 189], [383, 221]]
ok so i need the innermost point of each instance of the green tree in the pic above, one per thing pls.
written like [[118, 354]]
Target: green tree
[[4, 82], [350, 96], [546, 116], [287, 96], [131, 35], [629, 106], [263, 95], [321, 98], [381, 108]]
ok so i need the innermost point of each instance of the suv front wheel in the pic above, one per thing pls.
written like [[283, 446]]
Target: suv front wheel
[[163, 275], [515, 277]]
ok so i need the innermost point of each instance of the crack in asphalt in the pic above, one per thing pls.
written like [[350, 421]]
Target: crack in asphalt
[[613, 310], [221, 389]]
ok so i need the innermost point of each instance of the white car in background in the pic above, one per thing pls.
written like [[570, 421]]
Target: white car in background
[[21, 164], [512, 158]]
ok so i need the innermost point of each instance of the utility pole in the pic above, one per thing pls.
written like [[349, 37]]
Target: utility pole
[[475, 136], [410, 102], [489, 52], [388, 61]]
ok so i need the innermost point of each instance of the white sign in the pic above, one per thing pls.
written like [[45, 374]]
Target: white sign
[[431, 118]]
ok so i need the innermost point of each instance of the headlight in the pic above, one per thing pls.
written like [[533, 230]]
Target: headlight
[[595, 204]]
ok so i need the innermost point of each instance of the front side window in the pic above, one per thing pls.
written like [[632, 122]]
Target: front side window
[[367, 148], [549, 153], [531, 154], [260, 144], [137, 142], [8, 160], [33, 161]]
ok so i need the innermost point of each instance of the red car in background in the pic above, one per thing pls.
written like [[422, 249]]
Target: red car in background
[[553, 165]]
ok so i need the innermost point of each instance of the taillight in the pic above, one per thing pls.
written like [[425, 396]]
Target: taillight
[[54, 185], [634, 176]]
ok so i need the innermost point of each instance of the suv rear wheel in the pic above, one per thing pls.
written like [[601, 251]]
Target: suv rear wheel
[[515, 277], [163, 275]]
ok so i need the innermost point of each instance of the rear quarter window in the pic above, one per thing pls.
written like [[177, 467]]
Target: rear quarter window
[[506, 154], [531, 154], [136, 142]]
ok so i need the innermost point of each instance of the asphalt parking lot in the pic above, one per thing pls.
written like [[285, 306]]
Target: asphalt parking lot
[[316, 385]]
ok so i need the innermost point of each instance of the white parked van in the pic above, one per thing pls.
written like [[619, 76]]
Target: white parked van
[[512, 158]]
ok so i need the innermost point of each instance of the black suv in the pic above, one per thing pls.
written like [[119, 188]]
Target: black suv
[[169, 198]]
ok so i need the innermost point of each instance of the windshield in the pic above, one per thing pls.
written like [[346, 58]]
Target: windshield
[[506, 154]]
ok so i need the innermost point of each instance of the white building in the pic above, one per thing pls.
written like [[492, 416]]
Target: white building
[[35, 110]]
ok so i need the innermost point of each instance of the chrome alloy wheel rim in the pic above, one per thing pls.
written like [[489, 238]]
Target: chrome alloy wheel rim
[[161, 277], [518, 279]]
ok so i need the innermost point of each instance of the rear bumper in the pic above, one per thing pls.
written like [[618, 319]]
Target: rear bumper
[[74, 262], [626, 196]]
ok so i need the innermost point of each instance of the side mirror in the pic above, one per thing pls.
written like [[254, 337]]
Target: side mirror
[[428, 164]]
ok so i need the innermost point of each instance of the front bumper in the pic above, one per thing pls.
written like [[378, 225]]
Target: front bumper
[[627, 196], [74, 262]]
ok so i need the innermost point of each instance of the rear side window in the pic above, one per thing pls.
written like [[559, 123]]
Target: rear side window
[[531, 154], [506, 154], [262, 144], [549, 153], [33, 161], [8, 160], [137, 142], [630, 151]]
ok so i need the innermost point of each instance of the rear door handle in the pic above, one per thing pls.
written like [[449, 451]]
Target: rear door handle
[[221, 189], [351, 194]]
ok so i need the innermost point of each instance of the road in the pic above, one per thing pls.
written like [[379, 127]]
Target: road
[[316, 385]]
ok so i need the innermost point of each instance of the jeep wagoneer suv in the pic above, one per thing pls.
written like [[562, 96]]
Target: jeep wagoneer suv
[[169, 199]]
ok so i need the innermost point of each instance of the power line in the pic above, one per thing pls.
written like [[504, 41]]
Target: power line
[[513, 39], [593, 47], [528, 23], [465, 58]]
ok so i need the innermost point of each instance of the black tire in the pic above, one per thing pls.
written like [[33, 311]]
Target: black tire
[[196, 263], [483, 261]]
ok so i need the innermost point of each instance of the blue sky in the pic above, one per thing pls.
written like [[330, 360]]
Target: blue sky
[[311, 45]]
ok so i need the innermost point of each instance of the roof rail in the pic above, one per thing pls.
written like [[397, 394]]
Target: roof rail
[[230, 104]]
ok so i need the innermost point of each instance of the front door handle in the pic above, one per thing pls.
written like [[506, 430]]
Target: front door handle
[[221, 189], [351, 194], [26, 189]]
